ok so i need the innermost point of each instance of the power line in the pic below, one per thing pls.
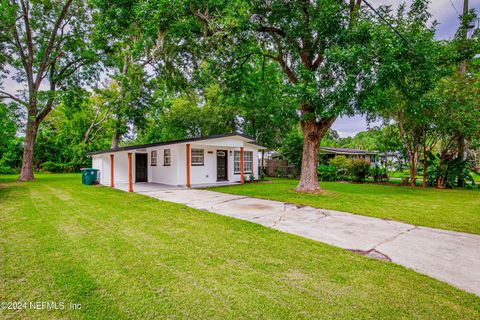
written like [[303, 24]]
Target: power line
[[388, 24], [451, 2]]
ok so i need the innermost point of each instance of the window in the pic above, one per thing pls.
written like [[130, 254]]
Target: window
[[153, 158], [166, 157], [197, 157], [247, 162]]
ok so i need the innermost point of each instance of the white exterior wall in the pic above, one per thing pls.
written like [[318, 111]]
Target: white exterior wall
[[176, 173], [235, 177], [208, 172], [120, 165], [97, 163], [161, 173]]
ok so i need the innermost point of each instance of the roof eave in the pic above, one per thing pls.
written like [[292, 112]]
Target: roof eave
[[156, 144]]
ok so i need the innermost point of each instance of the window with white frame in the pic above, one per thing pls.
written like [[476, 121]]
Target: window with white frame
[[167, 158], [197, 156], [153, 158], [247, 162]]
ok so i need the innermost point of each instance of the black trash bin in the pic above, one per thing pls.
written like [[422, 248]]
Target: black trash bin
[[89, 176]]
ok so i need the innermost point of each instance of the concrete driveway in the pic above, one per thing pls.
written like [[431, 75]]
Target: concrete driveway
[[449, 256]]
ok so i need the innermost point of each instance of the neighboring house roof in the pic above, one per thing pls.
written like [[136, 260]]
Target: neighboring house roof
[[156, 144], [270, 154], [391, 153], [346, 151]]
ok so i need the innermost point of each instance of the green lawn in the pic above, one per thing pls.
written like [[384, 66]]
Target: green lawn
[[398, 174], [127, 256], [457, 209], [476, 177]]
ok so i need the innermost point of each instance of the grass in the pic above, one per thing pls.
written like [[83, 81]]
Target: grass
[[476, 177], [399, 174], [127, 256], [457, 209]]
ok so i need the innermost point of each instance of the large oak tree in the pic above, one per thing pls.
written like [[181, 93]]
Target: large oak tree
[[319, 46], [323, 49], [45, 47]]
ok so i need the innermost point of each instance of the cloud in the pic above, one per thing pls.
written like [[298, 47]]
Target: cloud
[[445, 12], [350, 126]]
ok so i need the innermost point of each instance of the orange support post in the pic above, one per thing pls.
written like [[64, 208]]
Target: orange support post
[[112, 183], [188, 164], [130, 182], [242, 180]]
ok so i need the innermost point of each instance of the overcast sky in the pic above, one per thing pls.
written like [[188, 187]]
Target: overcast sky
[[446, 15]]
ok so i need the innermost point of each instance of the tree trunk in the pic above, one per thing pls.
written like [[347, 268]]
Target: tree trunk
[[313, 132], [424, 184], [461, 157], [115, 139], [26, 174], [413, 167]]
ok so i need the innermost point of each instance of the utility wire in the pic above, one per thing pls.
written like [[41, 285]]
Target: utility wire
[[451, 2], [388, 24]]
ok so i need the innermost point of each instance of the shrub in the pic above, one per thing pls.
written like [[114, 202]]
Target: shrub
[[294, 173], [280, 172], [343, 165], [359, 170], [51, 166], [378, 173], [261, 175], [448, 174], [292, 148], [6, 169], [327, 172]]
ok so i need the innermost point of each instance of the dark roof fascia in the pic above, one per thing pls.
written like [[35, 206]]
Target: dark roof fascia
[[156, 144], [347, 151]]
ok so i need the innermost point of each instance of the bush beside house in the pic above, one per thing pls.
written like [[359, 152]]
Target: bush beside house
[[343, 168]]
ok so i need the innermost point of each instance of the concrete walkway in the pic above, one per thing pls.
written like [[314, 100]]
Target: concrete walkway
[[453, 257]]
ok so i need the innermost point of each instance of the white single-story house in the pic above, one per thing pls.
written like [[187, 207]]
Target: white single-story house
[[218, 159]]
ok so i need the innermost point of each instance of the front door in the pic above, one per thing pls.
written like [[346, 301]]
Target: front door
[[221, 165], [141, 167]]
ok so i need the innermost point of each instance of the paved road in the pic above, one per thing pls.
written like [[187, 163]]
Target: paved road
[[449, 256]]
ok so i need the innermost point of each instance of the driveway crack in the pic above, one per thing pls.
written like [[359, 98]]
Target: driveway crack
[[281, 216], [277, 220], [229, 200], [393, 238]]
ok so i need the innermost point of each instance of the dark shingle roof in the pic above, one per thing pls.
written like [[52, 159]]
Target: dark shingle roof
[[346, 151], [156, 144]]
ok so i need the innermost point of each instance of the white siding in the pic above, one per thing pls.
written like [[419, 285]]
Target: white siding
[[161, 173], [97, 163], [236, 176], [208, 172], [102, 163], [175, 174]]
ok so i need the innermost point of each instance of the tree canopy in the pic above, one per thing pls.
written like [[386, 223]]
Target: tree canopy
[[100, 74]]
